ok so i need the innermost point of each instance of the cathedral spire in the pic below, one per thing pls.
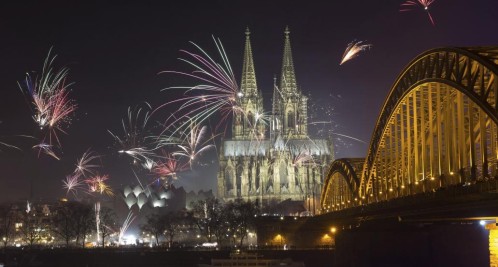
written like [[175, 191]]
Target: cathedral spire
[[288, 79], [248, 84]]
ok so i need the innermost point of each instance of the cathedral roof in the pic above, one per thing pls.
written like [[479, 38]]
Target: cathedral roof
[[233, 148], [315, 147]]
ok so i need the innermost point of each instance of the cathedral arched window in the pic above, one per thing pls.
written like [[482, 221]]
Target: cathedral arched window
[[250, 119], [291, 120], [229, 186], [284, 181], [239, 179]]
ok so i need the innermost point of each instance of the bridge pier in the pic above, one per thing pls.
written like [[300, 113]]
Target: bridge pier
[[493, 244]]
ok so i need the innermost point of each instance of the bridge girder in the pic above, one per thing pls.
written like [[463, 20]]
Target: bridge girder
[[437, 127]]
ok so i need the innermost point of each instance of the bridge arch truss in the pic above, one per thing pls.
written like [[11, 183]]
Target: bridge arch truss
[[437, 128]]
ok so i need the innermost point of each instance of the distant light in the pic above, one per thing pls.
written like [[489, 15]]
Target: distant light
[[240, 94], [482, 222], [129, 239]]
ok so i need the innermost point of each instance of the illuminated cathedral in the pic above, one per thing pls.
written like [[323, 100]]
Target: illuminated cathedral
[[270, 158]]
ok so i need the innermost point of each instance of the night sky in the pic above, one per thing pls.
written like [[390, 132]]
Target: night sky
[[115, 52]]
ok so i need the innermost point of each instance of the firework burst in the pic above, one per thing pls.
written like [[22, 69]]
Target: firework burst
[[353, 50], [168, 168], [303, 157], [217, 93], [49, 97], [47, 149], [72, 183], [194, 145], [85, 165], [97, 184], [410, 5], [134, 142]]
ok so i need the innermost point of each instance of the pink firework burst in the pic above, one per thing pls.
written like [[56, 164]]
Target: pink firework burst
[[217, 91], [50, 101], [410, 5], [169, 166], [97, 184]]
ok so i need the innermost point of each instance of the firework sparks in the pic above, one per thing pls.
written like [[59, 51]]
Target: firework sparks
[[353, 50], [50, 100], [134, 141], [8, 146], [168, 168], [218, 92], [72, 183], [47, 149], [410, 5], [321, 122], [97, 220], [84, 164], [302, 157], [126, 224], [194, 145], [28, 207], [97, 184]]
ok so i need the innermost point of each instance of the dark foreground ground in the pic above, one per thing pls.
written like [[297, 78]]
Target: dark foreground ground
[[146, 258]]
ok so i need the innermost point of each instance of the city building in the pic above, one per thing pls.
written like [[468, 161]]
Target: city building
[[270, 156]]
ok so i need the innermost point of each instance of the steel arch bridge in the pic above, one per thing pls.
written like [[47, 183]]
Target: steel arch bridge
[[437, 129]]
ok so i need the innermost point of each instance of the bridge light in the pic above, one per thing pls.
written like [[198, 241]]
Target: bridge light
[[432, 178], [403, 186], [482, 222], [380, 192], [333, 230], [451, 173], [416, 182], [390, 189]]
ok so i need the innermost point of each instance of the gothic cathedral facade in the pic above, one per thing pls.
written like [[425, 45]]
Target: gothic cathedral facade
[[270, 157]]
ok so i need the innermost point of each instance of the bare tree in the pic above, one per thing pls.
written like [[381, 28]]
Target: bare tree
[[174, 222], [207, 217], [241, 217], [155, 226], [108, 223], [72, 221], [63, 221], [33, 228], [7, 221], [84, 222]]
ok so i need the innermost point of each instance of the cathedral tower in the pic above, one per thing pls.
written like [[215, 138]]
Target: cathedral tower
[[290, 109], [247, 122]]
